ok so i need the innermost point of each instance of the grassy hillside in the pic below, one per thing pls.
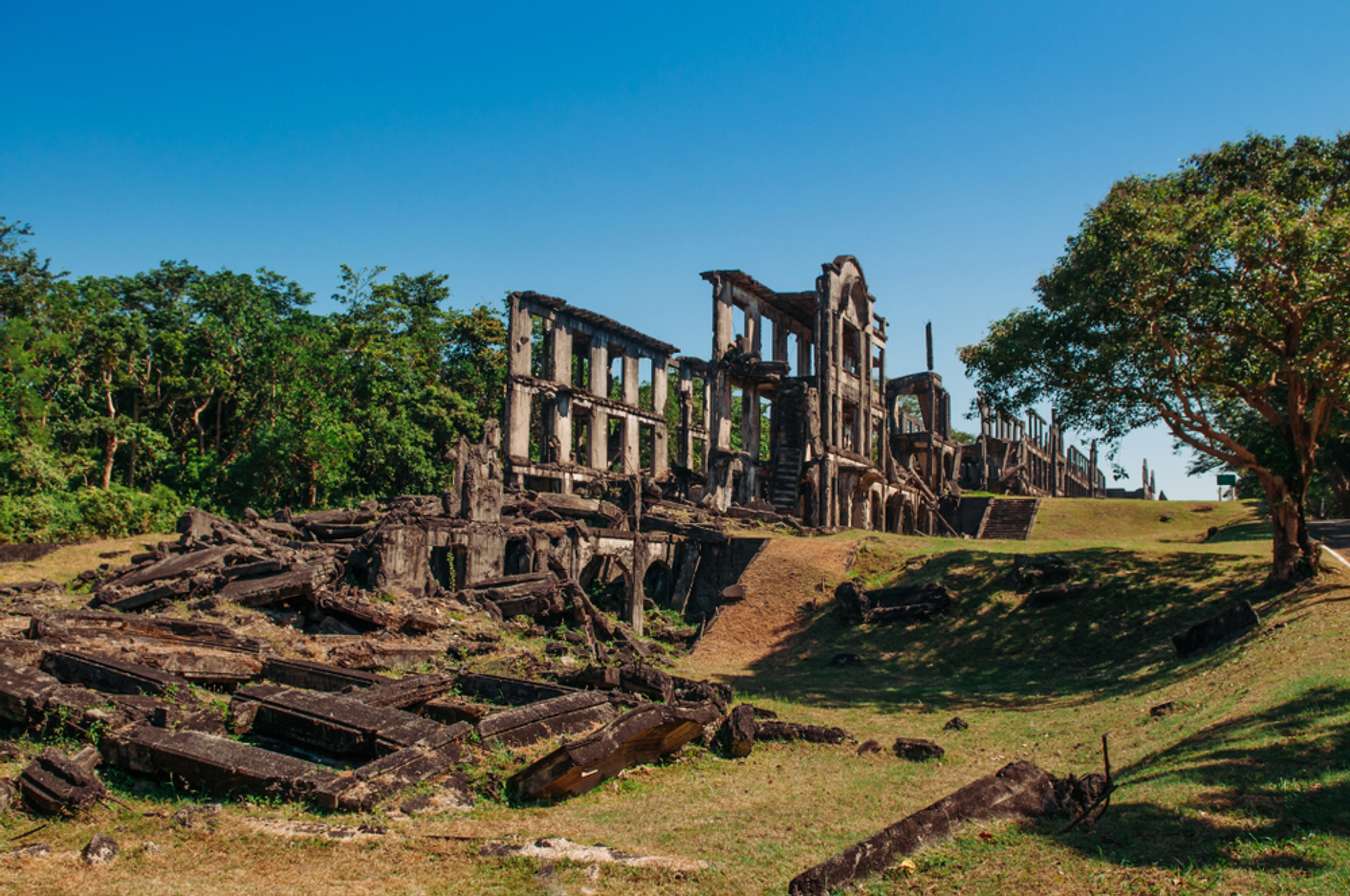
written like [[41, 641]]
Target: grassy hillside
[[1242, 790]]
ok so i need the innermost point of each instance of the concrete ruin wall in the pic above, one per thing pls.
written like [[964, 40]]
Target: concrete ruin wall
[[791, 414]]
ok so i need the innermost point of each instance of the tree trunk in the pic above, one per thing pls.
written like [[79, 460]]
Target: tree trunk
[[110, 440], [109, 452], [1292, 556]]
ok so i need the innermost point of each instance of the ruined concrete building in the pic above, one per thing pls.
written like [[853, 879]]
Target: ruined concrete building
[[791, 414], [1029, 457]]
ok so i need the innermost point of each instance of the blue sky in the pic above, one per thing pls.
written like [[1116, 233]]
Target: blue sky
[[609, 154]]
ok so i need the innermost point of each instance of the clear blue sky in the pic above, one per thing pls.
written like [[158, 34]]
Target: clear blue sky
[[609, 155]]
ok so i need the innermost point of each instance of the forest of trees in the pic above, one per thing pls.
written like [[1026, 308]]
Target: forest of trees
[[123, 398]]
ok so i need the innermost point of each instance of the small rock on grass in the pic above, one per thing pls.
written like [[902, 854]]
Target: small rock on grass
[[31, 851], [868, 746], [956, 723], [100, 850], [916, 749]]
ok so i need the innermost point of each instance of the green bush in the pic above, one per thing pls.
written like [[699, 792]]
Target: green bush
[[87, 513]]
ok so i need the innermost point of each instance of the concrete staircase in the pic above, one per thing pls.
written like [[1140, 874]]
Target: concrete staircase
[[1010, 518], [785, 486]]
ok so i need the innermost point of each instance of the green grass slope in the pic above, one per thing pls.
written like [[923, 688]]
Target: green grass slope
[[1242, 790]]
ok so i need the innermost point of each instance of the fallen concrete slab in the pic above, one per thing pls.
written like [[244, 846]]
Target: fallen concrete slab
[[404, 693], [57, 784], [638, 736], [360, 789], [508, 691], [23, 694], [317, 676], [212, 764], [104, 673], [1019, 789], [737, 734], [774, 729], [533, 722], [334, 724]]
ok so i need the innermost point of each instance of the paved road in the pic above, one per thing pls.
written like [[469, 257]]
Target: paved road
[[1334, 534]]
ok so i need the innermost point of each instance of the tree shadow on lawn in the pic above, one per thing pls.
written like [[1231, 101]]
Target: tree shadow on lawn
[[993, 650], [1259, 772]]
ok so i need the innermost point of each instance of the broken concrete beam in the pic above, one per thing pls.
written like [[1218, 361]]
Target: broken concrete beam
[[212, 764], [363, 787], [318, 676], [369, 655], [79, 711], [1017, 790], [355, 608], [450, 709], [57, 784], [1206, 635], [916, 749], [148, 596], [173, 566], [23, 694], [405, 693], [632, 678], [506, 690], [694, 690], [206, 666], [773, 729], [567, 714], [641, 735], [260, 592], [737, 735], [103, 673], [95, 623], [335, 724]]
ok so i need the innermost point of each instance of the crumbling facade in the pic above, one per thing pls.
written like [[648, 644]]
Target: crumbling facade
[[1029, 457], [791, 416]]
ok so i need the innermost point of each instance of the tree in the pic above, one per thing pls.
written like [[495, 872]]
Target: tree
[[1222, 285]]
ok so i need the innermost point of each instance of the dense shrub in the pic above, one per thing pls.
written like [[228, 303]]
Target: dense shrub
[[87, 513]]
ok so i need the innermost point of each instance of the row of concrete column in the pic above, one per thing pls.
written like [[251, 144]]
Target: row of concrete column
[[561, 416]]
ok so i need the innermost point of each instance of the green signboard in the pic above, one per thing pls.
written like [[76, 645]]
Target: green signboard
[[1227, 479]]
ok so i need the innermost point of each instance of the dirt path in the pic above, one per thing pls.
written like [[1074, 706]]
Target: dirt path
[[787, 575]]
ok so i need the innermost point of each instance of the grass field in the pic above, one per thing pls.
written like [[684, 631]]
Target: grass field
[[1243, 790]]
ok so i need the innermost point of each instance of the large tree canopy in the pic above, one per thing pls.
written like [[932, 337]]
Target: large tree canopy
[[227, 389], [1214, 294]]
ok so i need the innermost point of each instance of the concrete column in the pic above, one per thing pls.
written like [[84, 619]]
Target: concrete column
[[518, 420], [599, 435], [754, 341], [660, 387], [559, 425], [520, 331], [685, 452], [780, 335], [630, 424], [803, 355], [750, 426], [722, 321]]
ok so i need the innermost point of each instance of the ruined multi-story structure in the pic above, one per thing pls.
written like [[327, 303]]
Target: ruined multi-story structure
[[1029, 457], [791, 414]]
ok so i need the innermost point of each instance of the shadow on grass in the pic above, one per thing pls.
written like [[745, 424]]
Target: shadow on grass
[[1269, 777], [992, 650], [1252, 530]]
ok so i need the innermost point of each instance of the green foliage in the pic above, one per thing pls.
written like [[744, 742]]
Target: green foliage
[[113, 512], [1201, 299], [224, 389]]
